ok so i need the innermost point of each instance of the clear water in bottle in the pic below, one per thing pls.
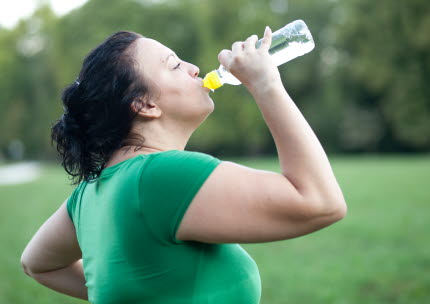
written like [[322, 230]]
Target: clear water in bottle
[[289, 42]]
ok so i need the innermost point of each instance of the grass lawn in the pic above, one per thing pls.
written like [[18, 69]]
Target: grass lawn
[[379, 253]]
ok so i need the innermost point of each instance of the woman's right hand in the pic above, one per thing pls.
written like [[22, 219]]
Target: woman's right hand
[[253, 67]]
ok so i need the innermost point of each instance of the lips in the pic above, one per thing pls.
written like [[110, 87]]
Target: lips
[[201, 84]]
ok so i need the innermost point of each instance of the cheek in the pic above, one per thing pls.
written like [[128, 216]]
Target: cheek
[[175, 92], [178, 87], [182, 87], [176, 97]]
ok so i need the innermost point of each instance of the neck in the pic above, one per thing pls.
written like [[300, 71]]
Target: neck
[[156, 136]]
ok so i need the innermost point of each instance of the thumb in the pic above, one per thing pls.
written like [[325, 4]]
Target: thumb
[[224, 58], [267, 39]]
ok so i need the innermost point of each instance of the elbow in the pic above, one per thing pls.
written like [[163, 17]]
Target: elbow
[[335, 201], [333, 209], [339, 209], [25, 269], [24, 264]]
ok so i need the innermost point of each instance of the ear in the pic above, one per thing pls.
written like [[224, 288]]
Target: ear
[[146, 108]]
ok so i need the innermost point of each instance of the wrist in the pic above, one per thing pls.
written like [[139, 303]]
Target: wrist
[[266, 91]]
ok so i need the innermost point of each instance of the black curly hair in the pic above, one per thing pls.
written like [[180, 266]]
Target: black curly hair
[[97, 115]]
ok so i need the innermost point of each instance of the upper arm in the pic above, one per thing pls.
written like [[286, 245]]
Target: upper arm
[[238, 204], [54, 245]]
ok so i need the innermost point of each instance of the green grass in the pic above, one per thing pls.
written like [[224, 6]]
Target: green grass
[[379, 253]]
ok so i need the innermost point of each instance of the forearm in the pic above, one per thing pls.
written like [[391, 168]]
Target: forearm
[[301, 156], [69, 280]]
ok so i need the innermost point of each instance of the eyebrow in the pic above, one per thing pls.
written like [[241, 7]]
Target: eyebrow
[[167, 58]]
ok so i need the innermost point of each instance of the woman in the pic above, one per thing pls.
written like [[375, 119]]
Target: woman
[[152, 223]]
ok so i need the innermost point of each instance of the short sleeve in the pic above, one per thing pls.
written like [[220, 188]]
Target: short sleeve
[[168, 185], [70, 205], [71, 201]]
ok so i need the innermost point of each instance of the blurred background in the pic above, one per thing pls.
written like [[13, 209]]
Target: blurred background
[[364, 90]]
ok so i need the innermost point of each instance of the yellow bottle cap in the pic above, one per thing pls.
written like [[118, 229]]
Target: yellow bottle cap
[[212, 80]]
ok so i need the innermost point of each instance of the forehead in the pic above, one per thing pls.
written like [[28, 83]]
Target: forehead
[[151, 53]]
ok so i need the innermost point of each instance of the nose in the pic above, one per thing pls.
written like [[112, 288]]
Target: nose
[[194, 70]]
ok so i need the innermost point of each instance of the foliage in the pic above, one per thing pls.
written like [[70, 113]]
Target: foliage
[[363, 88], [386, 66]]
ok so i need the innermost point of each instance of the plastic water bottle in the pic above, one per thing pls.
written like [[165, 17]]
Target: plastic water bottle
[[289, 42]]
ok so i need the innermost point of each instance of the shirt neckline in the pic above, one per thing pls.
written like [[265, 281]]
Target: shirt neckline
[[113, 168]]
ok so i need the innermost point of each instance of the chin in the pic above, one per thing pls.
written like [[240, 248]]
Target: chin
[[206, 110], [211, 105]]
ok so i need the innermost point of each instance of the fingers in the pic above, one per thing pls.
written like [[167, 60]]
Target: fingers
[[236, 48], [267, 39], [249, 43], [224, 57]]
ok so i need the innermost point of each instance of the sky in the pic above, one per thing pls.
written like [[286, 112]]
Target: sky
[[12, 11]]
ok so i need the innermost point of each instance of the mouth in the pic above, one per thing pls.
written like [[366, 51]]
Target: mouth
[[204, 88]]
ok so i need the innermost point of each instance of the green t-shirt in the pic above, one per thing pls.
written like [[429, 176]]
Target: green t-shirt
[[126, 223]]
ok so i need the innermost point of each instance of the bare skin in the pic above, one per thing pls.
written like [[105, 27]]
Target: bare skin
[[166, 122], [304, 198]]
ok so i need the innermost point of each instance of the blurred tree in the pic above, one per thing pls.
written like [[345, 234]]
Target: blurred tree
[[385, 71], [28, 82], [362, 89]]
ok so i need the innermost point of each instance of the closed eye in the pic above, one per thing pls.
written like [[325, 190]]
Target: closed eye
[[177, 66]]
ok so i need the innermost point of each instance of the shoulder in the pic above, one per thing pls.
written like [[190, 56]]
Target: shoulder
[[73, 198], [183, 156], [178, 164]]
